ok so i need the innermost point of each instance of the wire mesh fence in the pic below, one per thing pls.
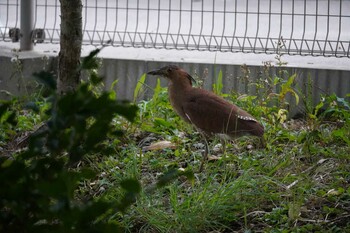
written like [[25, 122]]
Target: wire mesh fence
[[295, 27]]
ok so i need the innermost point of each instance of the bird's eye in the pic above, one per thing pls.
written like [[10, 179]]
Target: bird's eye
[[169, 70]]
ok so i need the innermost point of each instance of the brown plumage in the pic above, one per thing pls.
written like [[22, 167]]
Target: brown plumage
[[209, 113]]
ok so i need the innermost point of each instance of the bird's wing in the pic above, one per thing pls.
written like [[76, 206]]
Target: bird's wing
[[212, 114]]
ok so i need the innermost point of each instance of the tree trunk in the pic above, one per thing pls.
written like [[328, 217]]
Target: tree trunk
[[70, 46]]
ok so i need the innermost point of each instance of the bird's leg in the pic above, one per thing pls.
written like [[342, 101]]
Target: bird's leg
[[223, 143], [206, 152]]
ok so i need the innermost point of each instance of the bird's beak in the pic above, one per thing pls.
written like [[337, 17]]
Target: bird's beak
[[156, 72]]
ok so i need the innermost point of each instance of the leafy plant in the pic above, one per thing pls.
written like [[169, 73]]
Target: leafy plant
[[287, 87], [42, 185], [298, 183], [218, 86], [139, 87], [38, 185]]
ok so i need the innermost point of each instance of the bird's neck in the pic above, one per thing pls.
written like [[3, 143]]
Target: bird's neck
[[179, 87], [178, 92]]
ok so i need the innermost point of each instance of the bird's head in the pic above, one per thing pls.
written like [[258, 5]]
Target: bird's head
[[173, 73]]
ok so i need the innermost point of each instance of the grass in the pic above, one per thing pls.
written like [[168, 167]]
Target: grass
[[299, 183], [257, 191]]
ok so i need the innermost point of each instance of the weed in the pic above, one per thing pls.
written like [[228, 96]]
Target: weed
[[218, 86], [139, 87], [281, 188], [298, 183], [41, 185]]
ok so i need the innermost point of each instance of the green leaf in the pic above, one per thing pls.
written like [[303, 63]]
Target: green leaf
[[91, 61], [173, 174], [318, 107], [4, 107], [287, 88], [6, 163], [218, 86], [95, 78], [47, 79], [132, 188], [131, 185], [168, 177], [343, 102], [12, 118], [87, 173], [340, 133], [112, 90], [139, 87], [95, 134], [163, 122], [157, 91], [125, 109]]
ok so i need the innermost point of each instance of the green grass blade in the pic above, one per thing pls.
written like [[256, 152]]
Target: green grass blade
[[139, 87]]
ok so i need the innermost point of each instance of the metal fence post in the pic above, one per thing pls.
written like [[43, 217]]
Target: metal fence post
[[27, 12]]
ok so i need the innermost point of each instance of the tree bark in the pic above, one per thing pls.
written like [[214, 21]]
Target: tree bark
[[70, 46]]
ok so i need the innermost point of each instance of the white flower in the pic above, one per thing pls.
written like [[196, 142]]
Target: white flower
[[14, 59]]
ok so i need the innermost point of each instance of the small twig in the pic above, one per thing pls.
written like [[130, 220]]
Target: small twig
[[340, 218], [313, 220], [255, 213]]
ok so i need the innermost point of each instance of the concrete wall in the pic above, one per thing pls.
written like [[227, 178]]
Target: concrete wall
[[323, 81], [16, 75], [128, 73]]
